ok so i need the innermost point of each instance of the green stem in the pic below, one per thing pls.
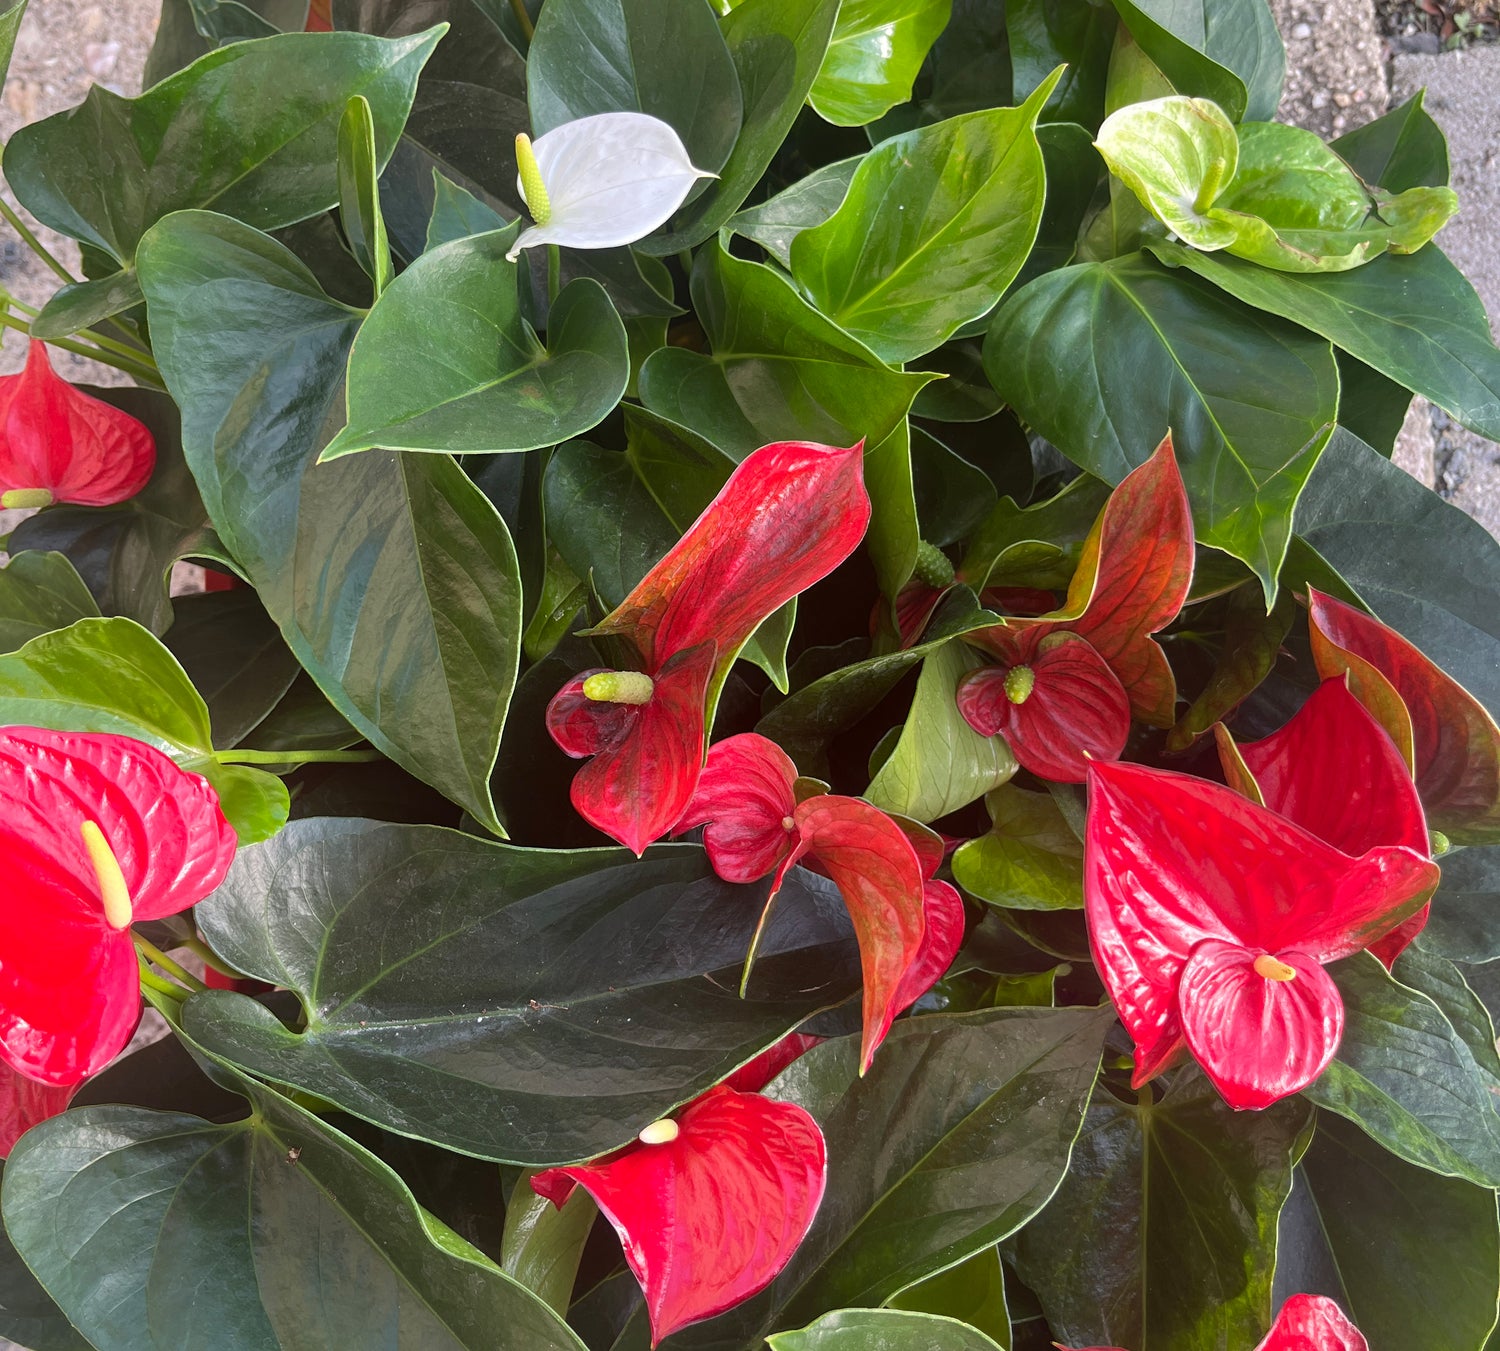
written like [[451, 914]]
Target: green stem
[[34, 244], [149, 977], [132, 365], [130, 350], [154, 954], [240, 757], [554, 277], [211, 958], [518, 8]]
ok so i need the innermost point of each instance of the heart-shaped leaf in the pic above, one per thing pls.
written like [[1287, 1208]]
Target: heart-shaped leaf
[[111, 675], [1404, 149], [1249, 399], [810, 201], [529, 957], [1131, 1218], [921, 245], [876, 50], [883, 1330], [1030, 860], [312, 1240], [486, 383], [337, 553], [40, 592]]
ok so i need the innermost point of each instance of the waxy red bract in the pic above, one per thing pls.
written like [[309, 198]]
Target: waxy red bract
[[1334, 771], [747, 800], [709, 1218], [1173, 863], [57, 440], [1071, 709], [1454, 743], [25, 1103], [789, 514], [69, 981]]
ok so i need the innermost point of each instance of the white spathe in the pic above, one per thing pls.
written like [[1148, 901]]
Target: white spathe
[[611, 179]]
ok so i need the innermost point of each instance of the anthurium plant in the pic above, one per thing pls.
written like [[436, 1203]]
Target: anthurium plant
[[819, 719]]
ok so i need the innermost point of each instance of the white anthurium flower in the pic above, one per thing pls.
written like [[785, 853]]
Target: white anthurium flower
[[602, 181]]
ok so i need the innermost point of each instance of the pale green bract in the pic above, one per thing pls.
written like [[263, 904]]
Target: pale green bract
[[1272, 194], [610, 179]]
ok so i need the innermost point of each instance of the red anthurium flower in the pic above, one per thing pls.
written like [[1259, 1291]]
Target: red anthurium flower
[[1210, 918], [1450, 740], [97, 831], [1052, 697], [709, 1205], [1305, 1323], [747, 799], [25, 1103], [789, 514], [58, 444], [1333, 770], [1132, 580]]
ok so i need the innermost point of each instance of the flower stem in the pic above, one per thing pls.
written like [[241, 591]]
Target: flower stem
[[149, 977], [33, 243], [241, 757], [554, 278], [211, 958], [131, 350], [518, 8], [154, 954], [135, 365]]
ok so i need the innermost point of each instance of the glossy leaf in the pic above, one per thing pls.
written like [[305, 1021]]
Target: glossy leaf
[[1404, 149], [64, 444], [486, 383], [894, 537], [935, 226], [1413, 318], [40, 592], [883, 1330], [972, 1292], [1229, 52], [543, 1243], [988, 1105], [313, 1241], [1465, 925], [940, 763], [28, 1315], [110, 675], [1013, 543], [1437, 1237], [1248, 400], [1454, 740], [1056, 703], [125, 554], [501, 980], [1407, 1076], [1178, 1193], [359, 196], [876, 50], [810, 201], [1173, 862], [779, 369], [603, 56], [1030, 860], [709, 1217], [336, 553], [777, 47]]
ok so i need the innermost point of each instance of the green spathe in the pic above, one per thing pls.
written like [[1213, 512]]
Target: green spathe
[[1273, 194]]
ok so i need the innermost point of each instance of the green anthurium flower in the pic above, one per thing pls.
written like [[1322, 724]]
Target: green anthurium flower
[[1273, 194], [602, 181]]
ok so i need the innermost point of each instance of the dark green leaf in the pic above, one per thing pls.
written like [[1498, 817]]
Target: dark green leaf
[[1404, 149], [1225, 50], [778, 371], [777, 47], [232, 651], [303, 720], [1413, 317], [546, 1006], [893, 537], [808, 202], [1426, 568], [1465, 922], [1073, 171], [1411, 1256], [940, 763], [1371, 405], [662, 57], [125, 553], [457, 214], [1044, 35], [106, 171], [111, 675], [543, 1242], [973, 1292], [935, 226], [86, 303], [1037, 545], [391, 577], [10, 25], [1406, 1074], [28, 1314], [287, 1233], [1162, 1236], [1029, 860], [877, 48], [953, 497], [967, 70], [40, 592], [1103, 358], [359, 194], [883, 1330], [446, 362]]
